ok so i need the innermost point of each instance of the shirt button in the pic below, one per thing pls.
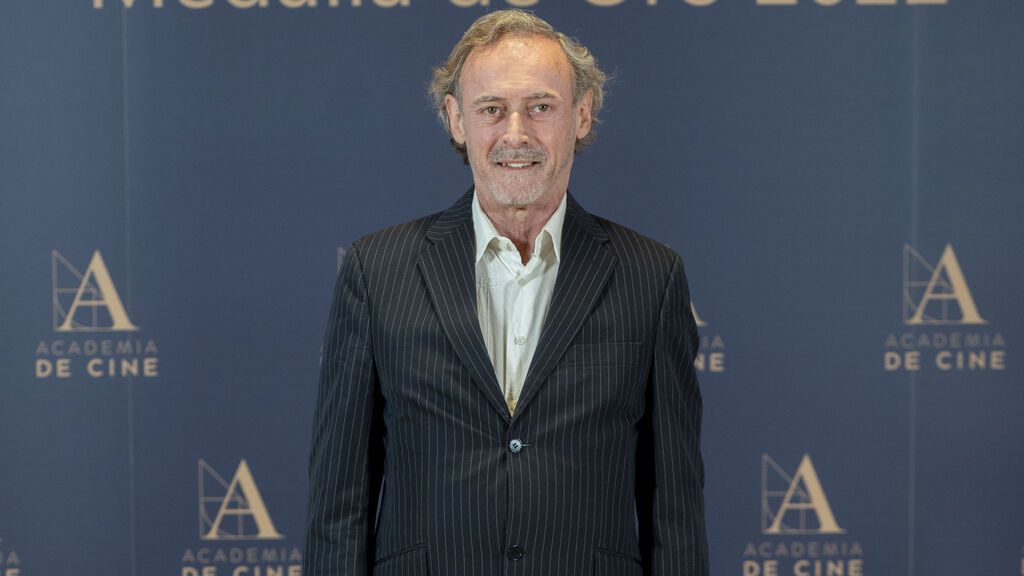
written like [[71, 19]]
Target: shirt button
[[515, 446], [520, 340], [516, 553]]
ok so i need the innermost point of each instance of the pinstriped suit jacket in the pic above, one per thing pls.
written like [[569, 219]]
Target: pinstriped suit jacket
[[607, 478]]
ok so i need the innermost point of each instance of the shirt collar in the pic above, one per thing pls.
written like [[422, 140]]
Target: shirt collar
[[485, 231]]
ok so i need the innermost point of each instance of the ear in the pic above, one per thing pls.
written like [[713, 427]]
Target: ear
[[583, 118], [451, 105]]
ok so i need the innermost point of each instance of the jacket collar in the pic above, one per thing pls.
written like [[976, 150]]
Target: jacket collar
[[449, 271]]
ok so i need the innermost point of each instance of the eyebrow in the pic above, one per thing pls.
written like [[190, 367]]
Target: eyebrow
[[534, 96]]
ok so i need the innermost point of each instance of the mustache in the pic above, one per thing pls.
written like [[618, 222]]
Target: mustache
[[517, 155]]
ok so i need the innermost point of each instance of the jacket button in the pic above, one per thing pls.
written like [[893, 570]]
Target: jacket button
[[516, 445], [516, 553]]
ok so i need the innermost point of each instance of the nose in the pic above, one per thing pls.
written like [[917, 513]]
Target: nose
[[514, 134]]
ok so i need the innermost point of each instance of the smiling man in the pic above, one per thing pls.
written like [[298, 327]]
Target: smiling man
[[507, 387]]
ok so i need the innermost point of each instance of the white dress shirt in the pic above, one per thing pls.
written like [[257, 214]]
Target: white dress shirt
[[512, 298]]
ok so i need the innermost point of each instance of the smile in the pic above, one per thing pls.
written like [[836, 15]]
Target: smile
[[517, 165]]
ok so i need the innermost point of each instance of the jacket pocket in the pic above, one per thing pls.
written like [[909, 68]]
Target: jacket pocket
[[408, 562], [612, 563]]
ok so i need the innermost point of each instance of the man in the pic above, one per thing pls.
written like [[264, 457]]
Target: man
[[507, 387]]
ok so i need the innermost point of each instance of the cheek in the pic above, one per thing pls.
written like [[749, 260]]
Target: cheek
[[558, 143], [480, 139]]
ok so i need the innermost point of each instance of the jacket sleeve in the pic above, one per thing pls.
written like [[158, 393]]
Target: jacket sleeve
[[670, 475], [346, 459]]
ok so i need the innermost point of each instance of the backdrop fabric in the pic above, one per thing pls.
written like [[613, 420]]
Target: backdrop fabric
[[179, 178]]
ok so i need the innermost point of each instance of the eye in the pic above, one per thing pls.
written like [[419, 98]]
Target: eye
[[542, 111], [491, 111]]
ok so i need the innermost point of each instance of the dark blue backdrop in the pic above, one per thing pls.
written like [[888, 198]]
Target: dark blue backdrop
[[810, 162]]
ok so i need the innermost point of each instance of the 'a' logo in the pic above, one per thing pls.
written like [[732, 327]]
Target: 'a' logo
[[238, 511], [930, 293], [86, 302], [788, 501]]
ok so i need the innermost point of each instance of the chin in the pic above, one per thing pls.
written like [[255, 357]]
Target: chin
[[517, 199], [517, 194]]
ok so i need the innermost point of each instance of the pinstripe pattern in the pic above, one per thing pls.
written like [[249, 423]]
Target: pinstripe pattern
[[609, 415]]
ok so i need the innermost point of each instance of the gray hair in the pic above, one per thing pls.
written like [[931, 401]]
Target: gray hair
[[487, 31]]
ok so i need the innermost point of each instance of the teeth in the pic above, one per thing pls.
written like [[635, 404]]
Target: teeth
[[517, 165]]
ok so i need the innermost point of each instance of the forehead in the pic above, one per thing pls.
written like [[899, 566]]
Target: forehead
[[517, 62]]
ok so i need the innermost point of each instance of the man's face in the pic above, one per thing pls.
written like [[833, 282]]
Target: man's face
[[517, 119]]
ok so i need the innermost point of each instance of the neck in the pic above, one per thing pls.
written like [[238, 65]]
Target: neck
[[520, 224]]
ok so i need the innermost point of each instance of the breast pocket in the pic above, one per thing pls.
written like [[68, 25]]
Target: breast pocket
[[611, 563], [603, 354], [409, 562], [603, 377]]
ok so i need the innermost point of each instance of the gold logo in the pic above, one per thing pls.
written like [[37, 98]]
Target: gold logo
[[86, 302], [711, 355], [244, 4], [10, 564], [239, 512], [859, 2], [787, 500], [931, 292]]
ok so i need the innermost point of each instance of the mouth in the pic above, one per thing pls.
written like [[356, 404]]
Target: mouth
[[518, 159], [517, 165]]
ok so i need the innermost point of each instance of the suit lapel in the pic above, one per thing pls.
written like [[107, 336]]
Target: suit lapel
[[584, 270], [449, 271]]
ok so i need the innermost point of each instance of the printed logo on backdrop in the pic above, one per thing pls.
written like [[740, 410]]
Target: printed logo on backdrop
[[944, 329], [237, 535], [94, 334], [10, 563], [711, 356], [800, 532], [296, 4]]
